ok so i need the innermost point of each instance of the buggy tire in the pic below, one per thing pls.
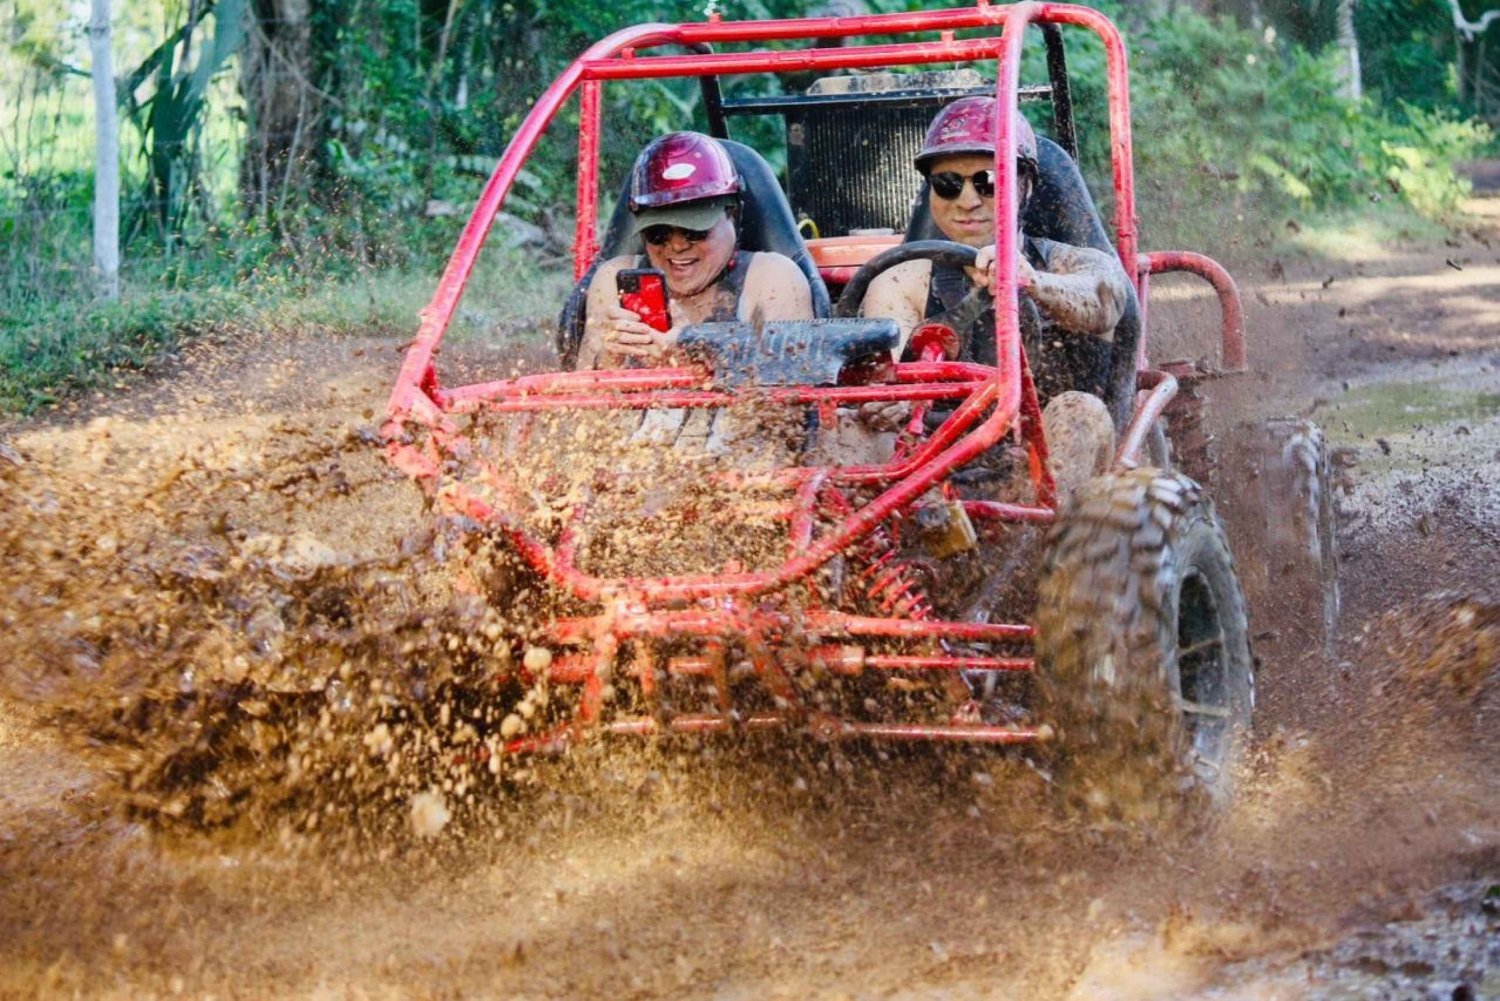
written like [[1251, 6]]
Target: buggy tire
[[1143, 653], [1277, 499]]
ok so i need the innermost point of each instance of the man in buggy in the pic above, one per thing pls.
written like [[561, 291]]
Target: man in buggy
[[1079, 293]]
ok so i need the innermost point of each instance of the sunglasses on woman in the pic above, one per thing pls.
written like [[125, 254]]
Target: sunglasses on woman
[[949, 184], [658, 236]]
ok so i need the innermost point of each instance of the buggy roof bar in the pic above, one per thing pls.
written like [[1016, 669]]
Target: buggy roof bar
[[857, 99]]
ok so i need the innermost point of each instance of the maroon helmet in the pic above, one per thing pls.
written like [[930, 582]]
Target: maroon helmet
[[968, 126], [681, 167]]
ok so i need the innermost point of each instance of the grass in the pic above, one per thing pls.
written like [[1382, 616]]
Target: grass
[[50, 350], [46, 353], [506, 289], [1362, 235]]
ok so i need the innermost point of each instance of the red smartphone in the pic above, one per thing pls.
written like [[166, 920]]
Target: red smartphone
[[643, 291]]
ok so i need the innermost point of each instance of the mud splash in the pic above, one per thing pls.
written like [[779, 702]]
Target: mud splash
[[260, 622], [229, 612]]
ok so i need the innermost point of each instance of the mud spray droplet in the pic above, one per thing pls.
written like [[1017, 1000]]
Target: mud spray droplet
[[429, 814]]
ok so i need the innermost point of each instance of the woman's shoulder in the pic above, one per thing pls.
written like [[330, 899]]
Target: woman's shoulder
[[773, 264], [602, 278], [614, 264]]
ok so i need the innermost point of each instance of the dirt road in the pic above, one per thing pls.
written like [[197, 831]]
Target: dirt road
[[1360, 859]]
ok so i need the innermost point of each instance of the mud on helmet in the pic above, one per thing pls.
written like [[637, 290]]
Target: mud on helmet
[[679, 179], [968, 126]]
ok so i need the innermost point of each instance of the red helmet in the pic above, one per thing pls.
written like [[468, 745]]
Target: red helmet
[[968, 126], [681, 167]]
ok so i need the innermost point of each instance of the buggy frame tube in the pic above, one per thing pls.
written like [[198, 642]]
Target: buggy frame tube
[[417, 368], [1232, 310], [1062, 92], [586, 238], [713, 99], [1157, 390]]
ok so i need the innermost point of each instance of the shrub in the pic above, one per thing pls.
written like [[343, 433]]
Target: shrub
[[1230, 119]]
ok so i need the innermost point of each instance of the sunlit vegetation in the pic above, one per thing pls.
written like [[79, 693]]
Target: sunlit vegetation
[[280, 165]]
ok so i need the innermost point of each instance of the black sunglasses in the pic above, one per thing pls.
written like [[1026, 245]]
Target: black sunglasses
[[657, 236], [949, 184]]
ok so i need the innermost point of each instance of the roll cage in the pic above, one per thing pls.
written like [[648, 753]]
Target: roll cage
[[424, 416]]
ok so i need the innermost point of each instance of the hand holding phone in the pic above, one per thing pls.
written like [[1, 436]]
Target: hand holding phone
[[643, 291]]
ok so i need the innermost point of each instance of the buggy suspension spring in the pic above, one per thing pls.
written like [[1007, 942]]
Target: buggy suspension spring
[[888, 580], [890, 583]]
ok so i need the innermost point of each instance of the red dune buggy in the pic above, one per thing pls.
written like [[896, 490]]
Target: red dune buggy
[[890, 599]]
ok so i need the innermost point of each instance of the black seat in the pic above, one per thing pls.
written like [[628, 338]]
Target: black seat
[[1062, 210], [766, 224]]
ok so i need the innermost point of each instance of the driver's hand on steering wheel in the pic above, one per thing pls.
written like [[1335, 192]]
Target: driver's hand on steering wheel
[[623, 333], [982, 271]]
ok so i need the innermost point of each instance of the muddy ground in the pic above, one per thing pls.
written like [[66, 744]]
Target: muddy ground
[[212, 518]]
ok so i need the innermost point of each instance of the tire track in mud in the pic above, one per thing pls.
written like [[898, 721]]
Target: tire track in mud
[[754, 870]]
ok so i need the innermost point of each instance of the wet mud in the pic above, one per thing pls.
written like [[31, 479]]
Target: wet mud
[[250, 700]]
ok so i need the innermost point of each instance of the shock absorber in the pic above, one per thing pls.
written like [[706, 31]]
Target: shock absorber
[[888, 580], [890, 584]]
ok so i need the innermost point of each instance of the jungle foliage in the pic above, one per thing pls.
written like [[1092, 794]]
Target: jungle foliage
[[1247, 116], [272, 146]]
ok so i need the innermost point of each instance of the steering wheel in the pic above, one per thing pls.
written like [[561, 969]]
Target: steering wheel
[[937, 251]]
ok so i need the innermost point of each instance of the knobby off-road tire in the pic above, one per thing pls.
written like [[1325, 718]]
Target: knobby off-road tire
[[1142, 648], [1276, 496]]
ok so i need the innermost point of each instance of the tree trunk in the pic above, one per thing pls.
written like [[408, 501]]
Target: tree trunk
[[1350, 87], [1460, 61], [434, 110], [1481, 83], [1472, 84], [283, 108], [106, 156]]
